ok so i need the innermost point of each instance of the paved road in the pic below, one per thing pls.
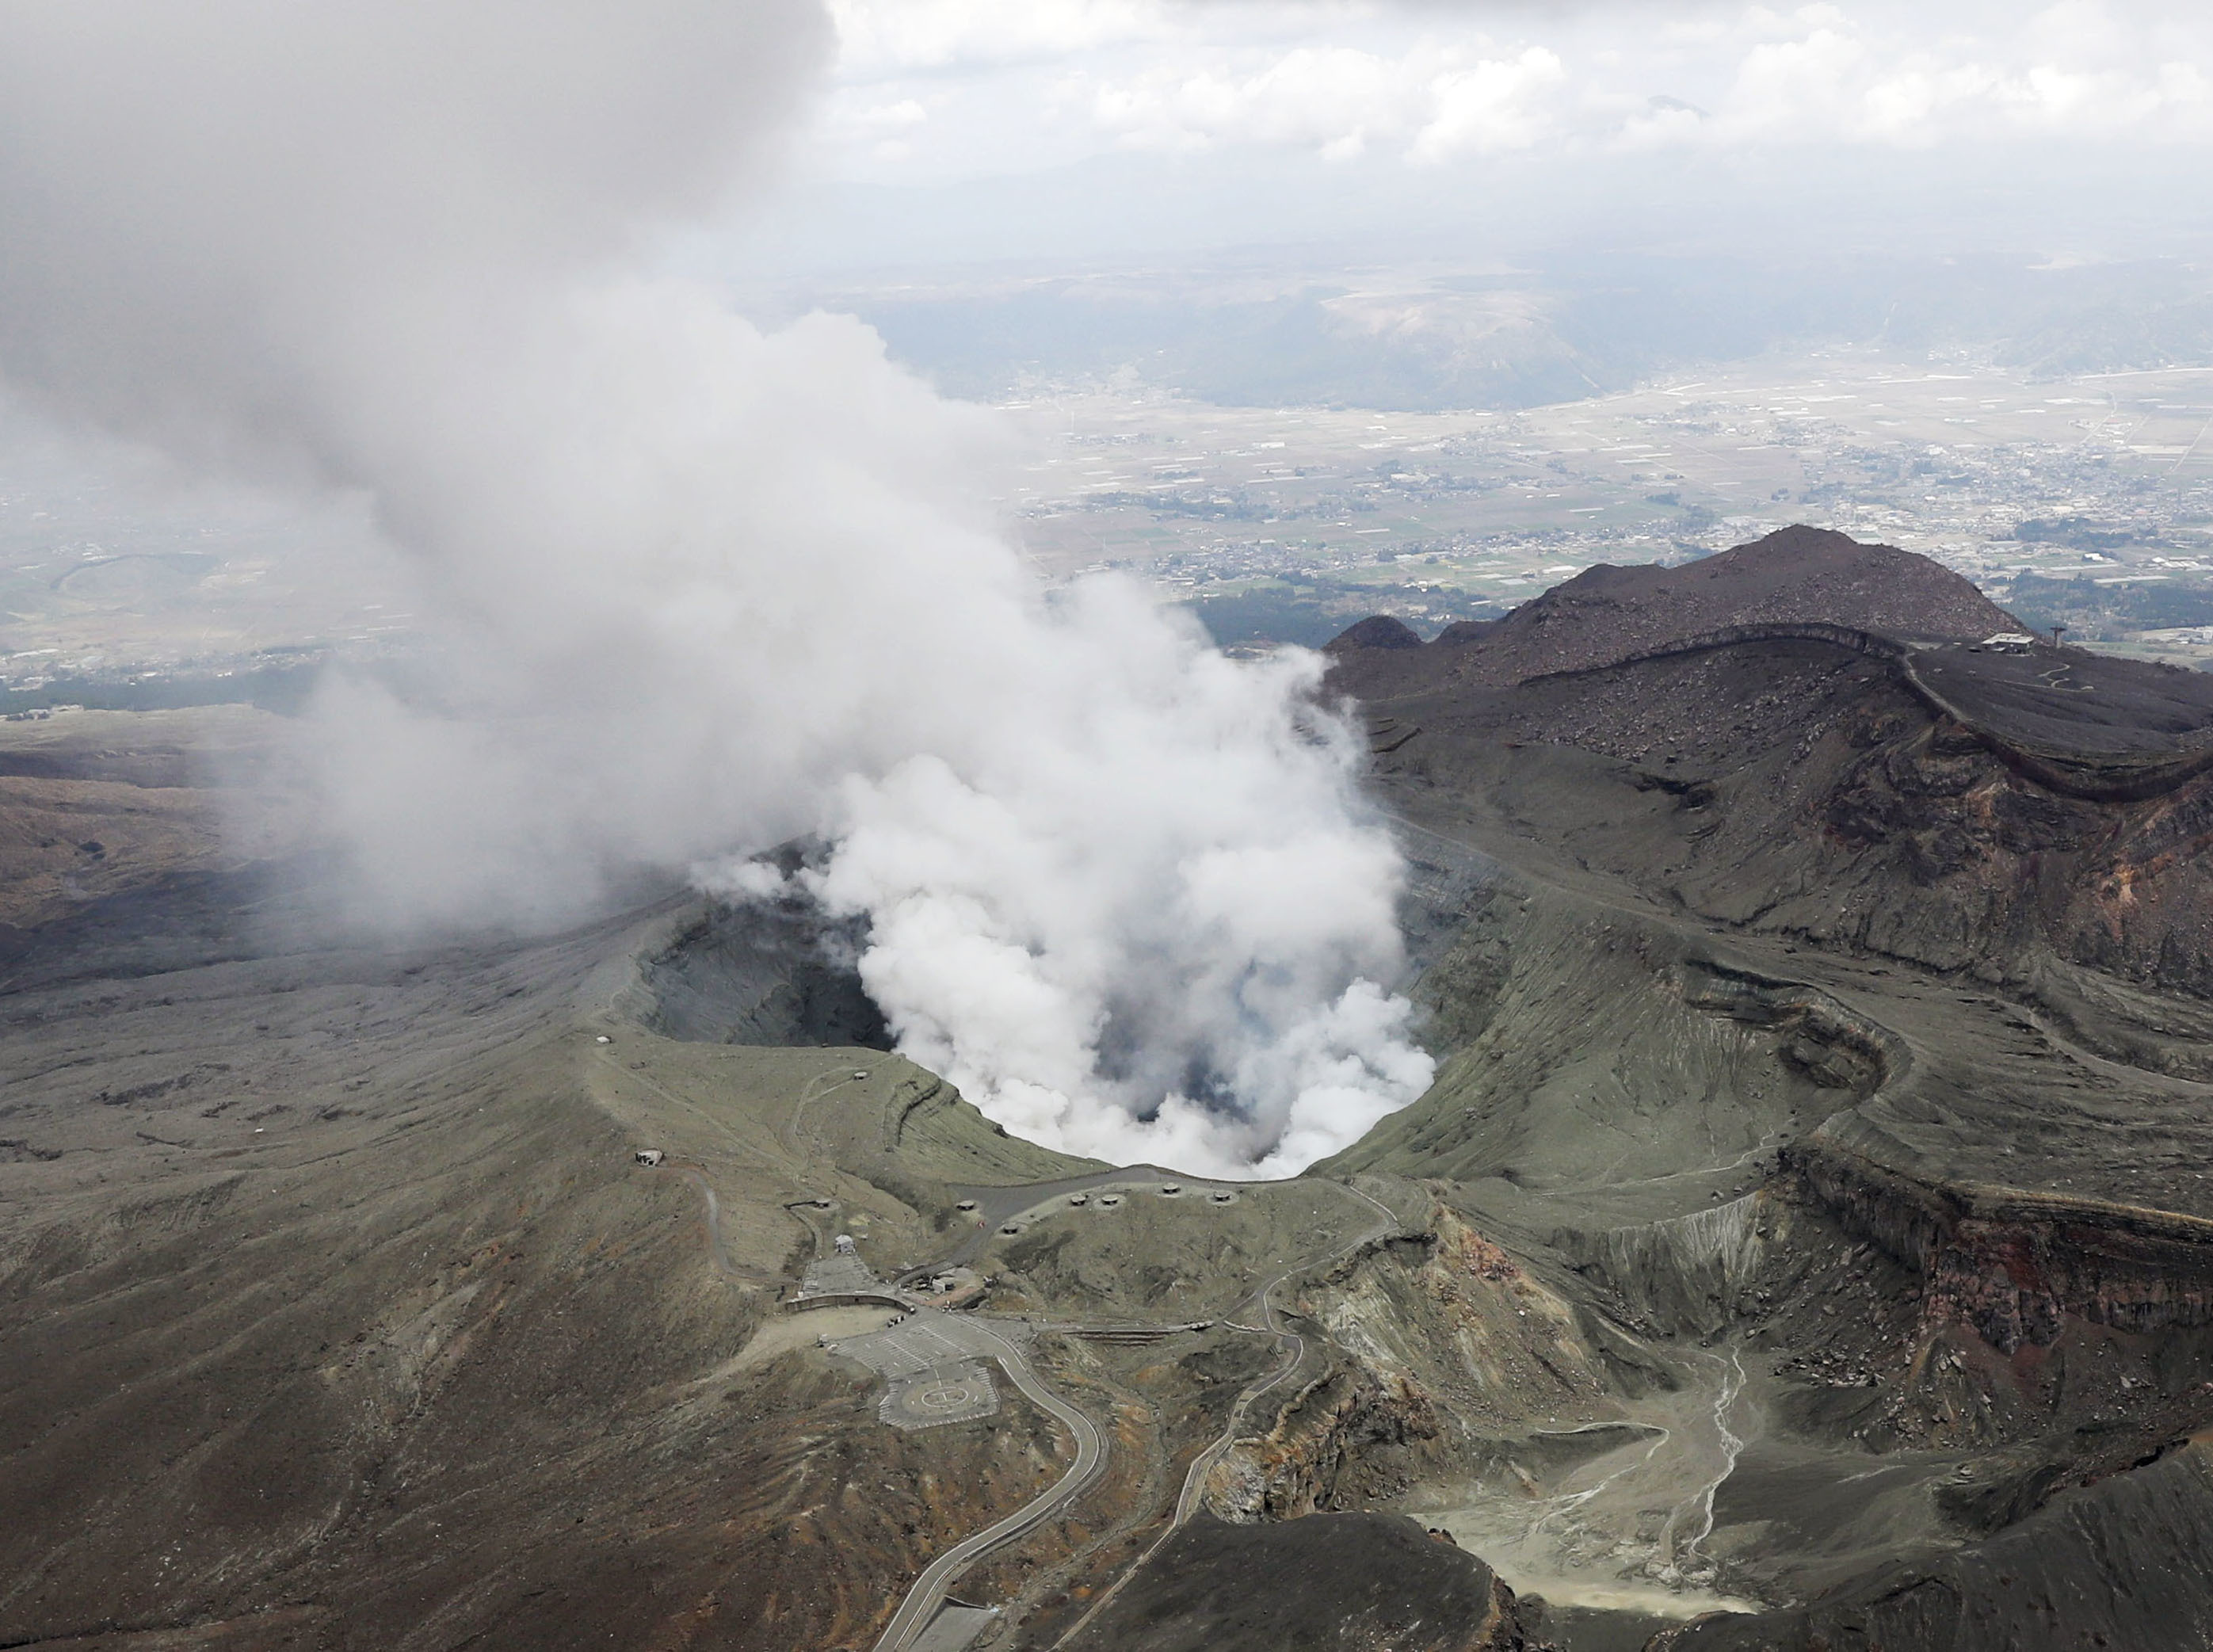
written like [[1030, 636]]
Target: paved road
[[1294, 1349], [928, 1593], [999, 1204]]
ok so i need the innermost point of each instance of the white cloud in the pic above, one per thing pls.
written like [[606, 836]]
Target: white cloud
[[1023, 83], [1877, 77], [1799, 83], [1430, 104], [1911, 101], [880, 37], [1495, 105], [703, 586], [886, 127]]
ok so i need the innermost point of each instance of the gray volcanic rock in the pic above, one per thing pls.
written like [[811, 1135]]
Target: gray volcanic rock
[[2127, 1562], [1794, 575], [1838, 1011], [1379, 631], [765, 973], [1323, 1583], [1809, 1225]]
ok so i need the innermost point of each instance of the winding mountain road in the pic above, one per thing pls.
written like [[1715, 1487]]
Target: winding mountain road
[[1294, 1348], [928, 1593]]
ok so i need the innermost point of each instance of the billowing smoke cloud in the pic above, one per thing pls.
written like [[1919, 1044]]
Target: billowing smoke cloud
[[706, 587]]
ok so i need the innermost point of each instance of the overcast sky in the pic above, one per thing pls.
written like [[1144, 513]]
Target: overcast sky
[[958, 125]]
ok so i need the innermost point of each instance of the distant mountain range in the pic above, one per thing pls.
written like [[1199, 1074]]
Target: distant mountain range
[[1574, 326]]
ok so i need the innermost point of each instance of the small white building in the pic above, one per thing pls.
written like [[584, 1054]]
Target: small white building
[[845, 1246], [2007, 642], [650, 1156]]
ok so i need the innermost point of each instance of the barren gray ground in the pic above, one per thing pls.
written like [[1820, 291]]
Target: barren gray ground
[[1806, 1237]]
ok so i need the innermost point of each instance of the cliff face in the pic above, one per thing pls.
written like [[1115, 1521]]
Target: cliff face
[[1429, 1353], [2013, 1265], [767, 973], [1802, 788], [1832, 1039], [1331, 1447]]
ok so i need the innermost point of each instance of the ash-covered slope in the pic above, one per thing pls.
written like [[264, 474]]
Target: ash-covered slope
[[1606, 613], [335, 1311], [1837, 1024], [1326, 1583], [1809, 1225], [1824, 777]]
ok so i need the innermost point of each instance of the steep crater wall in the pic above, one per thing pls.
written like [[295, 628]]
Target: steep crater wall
[[2109, 776], [766, 972], [2010, 1263]]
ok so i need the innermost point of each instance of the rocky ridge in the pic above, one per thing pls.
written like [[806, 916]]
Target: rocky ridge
[[1859, 903]]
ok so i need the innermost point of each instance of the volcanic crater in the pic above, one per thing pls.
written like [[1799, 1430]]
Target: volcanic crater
[[1806, 1242]]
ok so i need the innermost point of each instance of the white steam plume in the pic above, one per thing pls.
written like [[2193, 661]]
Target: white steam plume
[[712, 587]]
